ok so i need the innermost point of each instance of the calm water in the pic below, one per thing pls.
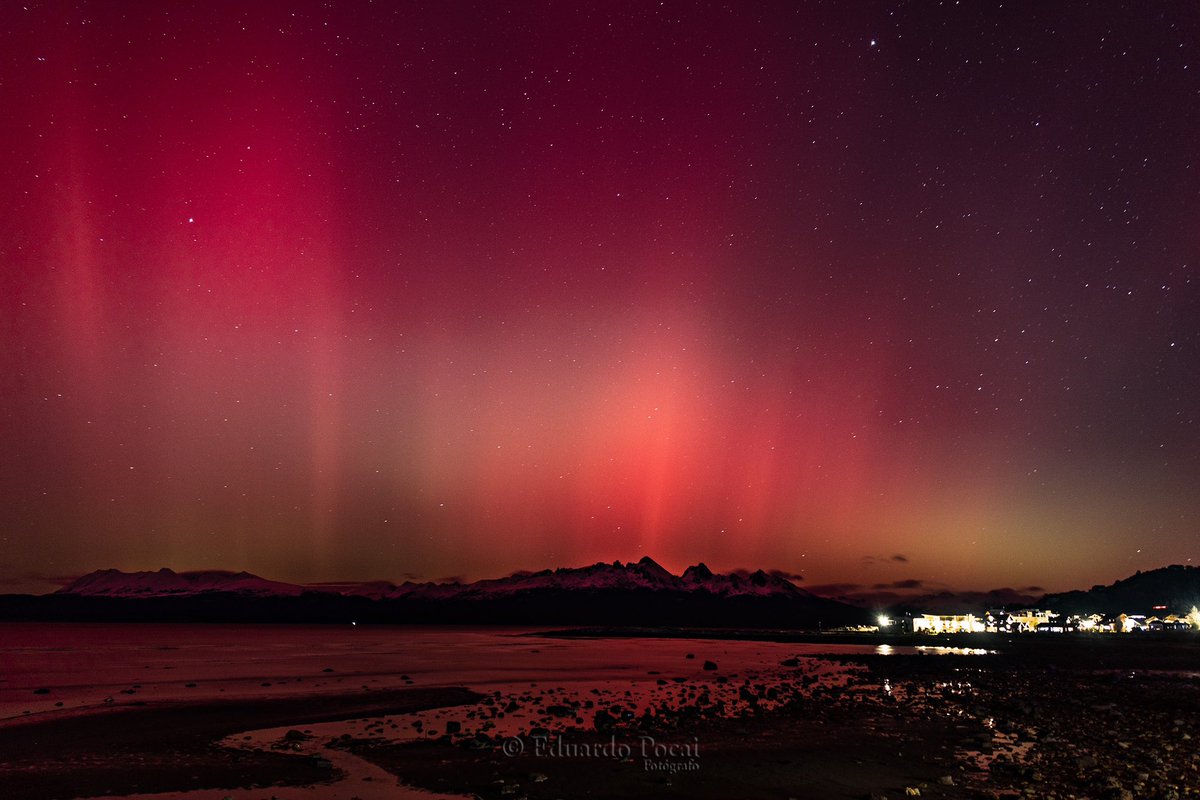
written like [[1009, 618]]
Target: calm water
[[86, 667], [83, 664]]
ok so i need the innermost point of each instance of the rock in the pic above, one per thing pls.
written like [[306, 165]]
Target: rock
[[294, 736], [912, 791], [690, 655], [480, 741], [946, 780], [42, 690], [604, 721], [453, 726], [710, 665]]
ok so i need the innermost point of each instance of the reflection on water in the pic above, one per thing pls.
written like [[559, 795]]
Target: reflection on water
[[954, 651], [530, 685], [888, 650], [109, 665]]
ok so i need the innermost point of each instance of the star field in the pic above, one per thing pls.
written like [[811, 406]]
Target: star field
[[356, 291]]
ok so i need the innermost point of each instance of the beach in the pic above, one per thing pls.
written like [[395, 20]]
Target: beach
[[208, 712]]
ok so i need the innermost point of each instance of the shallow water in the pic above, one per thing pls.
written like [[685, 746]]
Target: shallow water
[[85, 668], [102, 665]]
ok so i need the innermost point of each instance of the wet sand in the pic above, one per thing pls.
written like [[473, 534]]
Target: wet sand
[[170, 746], [773, 756], [307, 714]]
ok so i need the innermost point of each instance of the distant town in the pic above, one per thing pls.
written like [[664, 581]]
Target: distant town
[[1039, 621]]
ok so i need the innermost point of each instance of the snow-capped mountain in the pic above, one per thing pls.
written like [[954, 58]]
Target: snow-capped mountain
[[643, 575], [166, 582], [633, 593]]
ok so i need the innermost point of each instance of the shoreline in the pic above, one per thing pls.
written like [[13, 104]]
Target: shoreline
[[174, 746], [291, 712]]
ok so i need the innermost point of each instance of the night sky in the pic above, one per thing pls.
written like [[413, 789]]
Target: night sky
[[867, 292]]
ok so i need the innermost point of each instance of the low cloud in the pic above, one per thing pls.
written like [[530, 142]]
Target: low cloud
[[835, 589], [898, 558], [38, 577], [909, 583], [794, 577], [927, 596], [33, 582], [339, 585], [1007, 596]]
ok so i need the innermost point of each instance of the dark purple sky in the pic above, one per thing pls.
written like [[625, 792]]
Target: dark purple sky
[[351, 290]]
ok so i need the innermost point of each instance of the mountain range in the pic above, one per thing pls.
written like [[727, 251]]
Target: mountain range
[[633, 593], [645, 574], [641, 593], [166, 582]]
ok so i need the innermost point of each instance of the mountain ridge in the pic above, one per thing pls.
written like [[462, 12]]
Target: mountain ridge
[[638, 593], [618, 594], [1174, 588], [644, 574]]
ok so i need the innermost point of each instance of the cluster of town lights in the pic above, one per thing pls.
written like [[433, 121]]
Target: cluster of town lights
[[1034, 620]]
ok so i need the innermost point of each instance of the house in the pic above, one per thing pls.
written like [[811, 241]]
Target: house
[[1128, 623], [947, 623], [1057, 626]]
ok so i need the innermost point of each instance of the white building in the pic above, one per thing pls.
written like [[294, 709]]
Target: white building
[[947, 623]]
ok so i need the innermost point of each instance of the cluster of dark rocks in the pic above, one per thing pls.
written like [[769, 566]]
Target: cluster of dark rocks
[[1056, 732], [1019, 732]]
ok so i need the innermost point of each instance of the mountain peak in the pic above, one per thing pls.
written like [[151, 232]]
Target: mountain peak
[[165, 581], [652, 567], [644, 575]]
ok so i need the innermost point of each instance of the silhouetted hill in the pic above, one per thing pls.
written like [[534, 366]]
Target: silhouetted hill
[[164, 582], [1176, 587], [641, 593]]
